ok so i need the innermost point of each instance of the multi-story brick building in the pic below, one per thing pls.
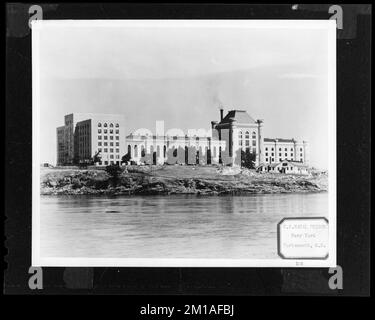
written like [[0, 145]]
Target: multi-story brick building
[[85, 135]]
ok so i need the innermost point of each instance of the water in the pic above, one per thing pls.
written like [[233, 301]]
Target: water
[[170, 226]]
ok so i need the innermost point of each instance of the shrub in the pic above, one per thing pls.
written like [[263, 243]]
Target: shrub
[[114, 172]]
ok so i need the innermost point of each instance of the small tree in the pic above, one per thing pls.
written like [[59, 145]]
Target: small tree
[[97, 157], [126, 158], [248, 159], [114, 172]]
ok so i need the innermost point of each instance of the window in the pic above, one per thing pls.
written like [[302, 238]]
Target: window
[[99, 143], [111, 150], [111, 131], [105, 150], [111, 125], [117, 125], [254, 143], [247, 135], [99, 124], [271, 149], [240, 135], [105, 138], [247, 143], [117, 144], [279, 154], [286, 154], [266, 159], [266, 154], [105, 125], [117, 156], [105, 162], [175, 152], [100, 149], [111, 156], [105, 144], [286, 149], [99, 130], [301, 155], [279, 149], [117, 131], [111, 137], [241, 143], [111, 144], [117, 150], [105, 131], [117, 137], [273, 159], [266, 149], [300, 149], [272, 154], [99, 137], [135, 151]]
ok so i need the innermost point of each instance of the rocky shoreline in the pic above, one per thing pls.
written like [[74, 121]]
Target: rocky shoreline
[[169, 180]]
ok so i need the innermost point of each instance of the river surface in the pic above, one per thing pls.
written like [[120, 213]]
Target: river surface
[[175, 226]]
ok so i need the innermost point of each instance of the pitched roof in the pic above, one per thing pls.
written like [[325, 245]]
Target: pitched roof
[[241, 116]]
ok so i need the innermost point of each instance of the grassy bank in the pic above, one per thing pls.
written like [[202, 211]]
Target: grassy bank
[[206, 180]]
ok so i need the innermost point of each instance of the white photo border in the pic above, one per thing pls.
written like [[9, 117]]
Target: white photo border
[[39, 261]]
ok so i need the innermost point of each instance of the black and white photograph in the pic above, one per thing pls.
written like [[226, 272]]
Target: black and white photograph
[[187, 155], [184, 143]]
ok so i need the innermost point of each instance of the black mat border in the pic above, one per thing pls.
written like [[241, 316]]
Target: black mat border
[[353, 166]]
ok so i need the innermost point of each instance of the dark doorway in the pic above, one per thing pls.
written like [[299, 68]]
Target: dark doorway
[[208, 156]]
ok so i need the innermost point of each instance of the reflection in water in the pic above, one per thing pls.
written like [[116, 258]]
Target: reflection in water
[[170, 227]]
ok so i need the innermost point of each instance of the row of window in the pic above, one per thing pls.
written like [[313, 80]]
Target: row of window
[[106, 137], [247, 135], [280, 149], [247, 143], [117, 131], [111, 156], [106, 125], [273, 159], [280, 155], [105, 150], [106, 144]]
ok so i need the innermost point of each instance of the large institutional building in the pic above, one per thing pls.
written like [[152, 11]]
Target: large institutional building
[[84, 135]]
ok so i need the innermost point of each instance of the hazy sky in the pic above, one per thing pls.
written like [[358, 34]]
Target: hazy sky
[[182, 74]]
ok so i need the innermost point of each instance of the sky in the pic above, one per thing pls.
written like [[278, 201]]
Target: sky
[[182, 73]]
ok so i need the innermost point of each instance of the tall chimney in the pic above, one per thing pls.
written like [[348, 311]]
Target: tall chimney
[[221, 114]]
